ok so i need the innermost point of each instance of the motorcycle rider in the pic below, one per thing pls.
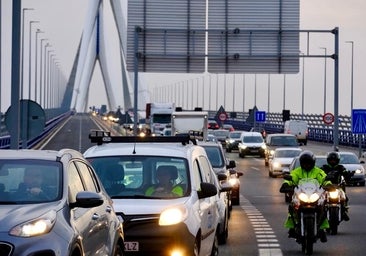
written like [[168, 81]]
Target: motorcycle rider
[[307, 169], [334, 172]]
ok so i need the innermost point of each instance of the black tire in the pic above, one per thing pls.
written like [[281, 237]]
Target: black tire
[[222, 237], [235, 201], [309, 236], [333, 220], [215, 246]]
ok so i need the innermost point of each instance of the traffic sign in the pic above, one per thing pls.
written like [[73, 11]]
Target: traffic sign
[[328, 118], [260, 116], [359, 121], [222, 116]]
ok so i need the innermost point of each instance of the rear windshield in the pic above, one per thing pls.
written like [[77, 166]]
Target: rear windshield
[[283, 141]]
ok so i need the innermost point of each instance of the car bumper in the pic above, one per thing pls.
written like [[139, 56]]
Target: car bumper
[[50, 244], [253, 151], [356, 179], [146, 237]]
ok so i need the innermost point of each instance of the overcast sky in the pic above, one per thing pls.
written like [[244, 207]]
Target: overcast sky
[[62, 22]]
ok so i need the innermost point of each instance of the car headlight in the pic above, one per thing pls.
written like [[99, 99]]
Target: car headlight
[[271, 152], [264, 146], [359, 171], [242, 146], [36, 227], [172, 216], [276, 165], [231, 141]]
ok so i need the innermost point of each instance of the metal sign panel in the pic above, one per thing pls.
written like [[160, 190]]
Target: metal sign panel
[[359, 121], [171, 37], [253, 36], [260, 116]]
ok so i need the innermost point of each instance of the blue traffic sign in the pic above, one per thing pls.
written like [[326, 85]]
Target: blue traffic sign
[[260, 116], [359, 121]]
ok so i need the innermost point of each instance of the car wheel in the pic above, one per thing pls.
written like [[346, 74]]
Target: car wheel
[[196, 247], [266, 163], [222, 237], [215, 246], [235, 201]]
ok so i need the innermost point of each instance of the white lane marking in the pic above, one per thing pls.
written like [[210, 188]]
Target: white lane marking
[[266, 239]]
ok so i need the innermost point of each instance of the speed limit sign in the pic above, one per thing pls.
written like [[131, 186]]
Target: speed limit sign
[[328, 118], [222, 116]]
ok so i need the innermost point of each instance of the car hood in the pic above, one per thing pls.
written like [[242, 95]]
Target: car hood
[[12, 215], [353, 167], [253, 144], [146, 206], [283, 160]]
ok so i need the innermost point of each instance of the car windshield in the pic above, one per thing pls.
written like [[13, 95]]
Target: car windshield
[[222, 133], [287, 153], [283, 141], [252, 139], [235, 135], [215, 156], [29, 181], [137, 176], [349, 159]]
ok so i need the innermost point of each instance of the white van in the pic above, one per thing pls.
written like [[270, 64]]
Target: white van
[[299, 128]]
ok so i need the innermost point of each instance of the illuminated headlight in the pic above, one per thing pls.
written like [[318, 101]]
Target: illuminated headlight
[[233, 181], [231, 141], [304, 198], [359, 171], [243, 146], [334, 194], [36, 227], [172, 216], [271, 152], [276, 165], [264, 146]]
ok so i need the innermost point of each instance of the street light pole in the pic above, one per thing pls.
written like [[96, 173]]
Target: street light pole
[[325, 78], [303, 86], [351, 42], [22, 54], [30, 58], [36, 65]]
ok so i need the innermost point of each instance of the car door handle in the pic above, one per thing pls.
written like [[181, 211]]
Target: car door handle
[[95, 216], [108, 209]]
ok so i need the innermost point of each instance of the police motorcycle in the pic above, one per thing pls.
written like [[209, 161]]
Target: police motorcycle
[[335, 200], [307, 210]]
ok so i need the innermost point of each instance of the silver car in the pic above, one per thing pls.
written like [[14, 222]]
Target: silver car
[[52, 203]]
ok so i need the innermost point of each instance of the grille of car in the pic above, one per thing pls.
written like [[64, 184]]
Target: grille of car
[[5, 249]]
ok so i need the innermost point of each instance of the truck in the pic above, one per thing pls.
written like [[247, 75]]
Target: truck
[[184, 122], [158, 116], [299, 128]]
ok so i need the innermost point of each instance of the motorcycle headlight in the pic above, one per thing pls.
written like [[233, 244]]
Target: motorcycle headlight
[[36, 227], [264, 146], [334, 194], [172, 216], [305, 198], [233, 181]]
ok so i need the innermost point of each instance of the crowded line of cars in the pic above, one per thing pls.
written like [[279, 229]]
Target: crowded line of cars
[[166, 195]]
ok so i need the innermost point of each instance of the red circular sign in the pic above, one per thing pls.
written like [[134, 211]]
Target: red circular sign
[[328, 118], [222, 116]]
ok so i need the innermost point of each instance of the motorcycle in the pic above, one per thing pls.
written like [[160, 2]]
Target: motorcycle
[[335, 200], [307, 209]]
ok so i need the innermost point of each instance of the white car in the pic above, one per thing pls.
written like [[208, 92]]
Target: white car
[[181, 220], [251, 143], [282, 158]]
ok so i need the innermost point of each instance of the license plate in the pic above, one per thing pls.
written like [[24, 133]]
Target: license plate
[[253, 151], [132, 246]]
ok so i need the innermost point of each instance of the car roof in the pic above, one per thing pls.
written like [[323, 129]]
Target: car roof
[[288, 148], [251, 134]]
